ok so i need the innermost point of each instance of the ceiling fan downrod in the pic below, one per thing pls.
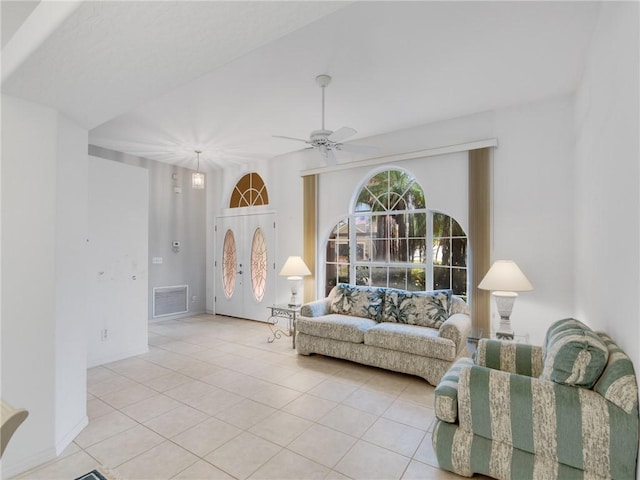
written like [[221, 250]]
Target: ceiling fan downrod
[[323, 81]]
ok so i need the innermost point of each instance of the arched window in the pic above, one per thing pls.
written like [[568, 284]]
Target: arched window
[[249, 191], [449, 255], [391, 239]]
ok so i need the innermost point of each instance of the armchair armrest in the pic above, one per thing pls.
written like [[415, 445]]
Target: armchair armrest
[[510, 357], [446, 394], [456, 328], [572, 425], [317, 308]]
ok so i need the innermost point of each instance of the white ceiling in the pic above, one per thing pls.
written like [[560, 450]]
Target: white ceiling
[[161, 79]]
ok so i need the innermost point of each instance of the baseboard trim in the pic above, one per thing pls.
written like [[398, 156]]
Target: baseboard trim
[[46, 455], [29, 463], [66, 440], [96, 362], [176, 317]]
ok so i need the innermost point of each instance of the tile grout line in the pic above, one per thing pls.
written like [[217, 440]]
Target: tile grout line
[[361, 378]]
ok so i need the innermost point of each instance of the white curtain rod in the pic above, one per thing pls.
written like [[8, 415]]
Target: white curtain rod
[[398, 157]]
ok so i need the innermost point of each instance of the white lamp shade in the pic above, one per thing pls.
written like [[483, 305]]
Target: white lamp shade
[[294, 267], [504, 275]]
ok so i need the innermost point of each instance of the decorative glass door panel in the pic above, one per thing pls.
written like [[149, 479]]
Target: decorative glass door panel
[[259, 259], [229, 263]]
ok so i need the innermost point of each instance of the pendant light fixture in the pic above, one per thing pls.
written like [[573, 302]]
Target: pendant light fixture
[[197, 178]]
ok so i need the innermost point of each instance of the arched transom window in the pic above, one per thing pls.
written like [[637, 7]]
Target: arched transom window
[[391, 239], [249, 191]]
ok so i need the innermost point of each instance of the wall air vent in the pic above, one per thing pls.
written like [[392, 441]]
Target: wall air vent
[[170, 300]]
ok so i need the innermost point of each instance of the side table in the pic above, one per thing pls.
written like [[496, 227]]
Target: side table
[[284, 312], [478, 333]]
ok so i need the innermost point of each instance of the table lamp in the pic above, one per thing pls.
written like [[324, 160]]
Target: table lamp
[[294, 269], [504, 278]]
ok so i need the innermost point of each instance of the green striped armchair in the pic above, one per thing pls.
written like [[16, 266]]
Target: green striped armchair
[[510, 414]]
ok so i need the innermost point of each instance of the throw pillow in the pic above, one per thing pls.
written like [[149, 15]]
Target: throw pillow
[[426, 309], [574, 355], [358, 301]]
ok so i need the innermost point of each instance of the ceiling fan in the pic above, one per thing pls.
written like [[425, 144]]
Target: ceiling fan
[[327, 141]]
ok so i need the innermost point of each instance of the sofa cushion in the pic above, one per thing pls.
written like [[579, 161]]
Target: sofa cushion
[[410, 339], [426, 309], [335, 326], [574, 354], [358, 301]]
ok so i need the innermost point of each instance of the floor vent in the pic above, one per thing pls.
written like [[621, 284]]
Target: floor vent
[[170, 300]]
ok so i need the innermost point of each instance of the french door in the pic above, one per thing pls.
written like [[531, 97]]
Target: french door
[[245, 265]]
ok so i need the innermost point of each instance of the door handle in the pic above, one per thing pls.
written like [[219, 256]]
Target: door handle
[[133, 277], [240, 272]]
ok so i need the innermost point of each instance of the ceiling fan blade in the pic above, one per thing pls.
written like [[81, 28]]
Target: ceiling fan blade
[[342, 134], [350, 147], [291, 138]]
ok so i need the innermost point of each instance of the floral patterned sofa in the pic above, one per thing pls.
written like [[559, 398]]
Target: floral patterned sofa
[[565, 410], [419, 333]]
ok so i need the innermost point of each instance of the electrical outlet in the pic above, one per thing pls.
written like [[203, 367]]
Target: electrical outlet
[[104, 335], [193, 298]]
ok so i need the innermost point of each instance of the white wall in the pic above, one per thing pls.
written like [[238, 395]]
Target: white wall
[[71, 285], [607, 202], [28, 276], [41, 324], [117, 267], [533, 209], [177, 217]]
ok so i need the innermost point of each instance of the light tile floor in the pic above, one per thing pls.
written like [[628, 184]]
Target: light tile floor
[[214, 400]]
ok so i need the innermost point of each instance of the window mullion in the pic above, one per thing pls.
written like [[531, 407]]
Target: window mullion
[[429, 252], [352, 248]]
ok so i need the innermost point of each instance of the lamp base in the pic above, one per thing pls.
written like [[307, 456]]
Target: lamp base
[[294, 301], [504, 302], [505, 335], [505, 332], [295, 282]]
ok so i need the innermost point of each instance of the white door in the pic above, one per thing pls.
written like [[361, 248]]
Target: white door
[[245, 265], [118, 259]]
